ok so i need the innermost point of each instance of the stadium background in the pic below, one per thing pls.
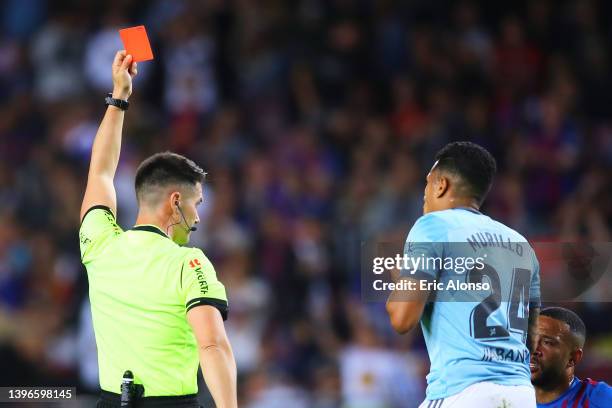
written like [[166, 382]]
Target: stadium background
[[317, 122]]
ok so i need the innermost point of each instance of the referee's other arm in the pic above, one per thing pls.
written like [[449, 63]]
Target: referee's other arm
[[216, 356]]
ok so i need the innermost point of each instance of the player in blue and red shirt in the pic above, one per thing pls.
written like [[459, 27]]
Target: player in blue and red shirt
[[559, 342]]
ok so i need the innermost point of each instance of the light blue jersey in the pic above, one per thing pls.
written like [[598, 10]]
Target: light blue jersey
[[480, 338]]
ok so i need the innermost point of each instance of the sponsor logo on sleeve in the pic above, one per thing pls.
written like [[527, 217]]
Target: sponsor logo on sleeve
[[197, 267]]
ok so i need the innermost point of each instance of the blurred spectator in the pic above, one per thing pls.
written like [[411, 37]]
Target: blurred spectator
[[374, 376], [56, 53]]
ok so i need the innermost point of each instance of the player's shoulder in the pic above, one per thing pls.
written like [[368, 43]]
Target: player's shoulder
[[598, 391], [429, 227], [510, 232], [513, 235]]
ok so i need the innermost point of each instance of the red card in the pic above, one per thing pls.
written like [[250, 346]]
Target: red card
[[137, 43]]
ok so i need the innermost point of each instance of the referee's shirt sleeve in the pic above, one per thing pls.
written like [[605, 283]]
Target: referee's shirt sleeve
[[97, 227], [200, 285]]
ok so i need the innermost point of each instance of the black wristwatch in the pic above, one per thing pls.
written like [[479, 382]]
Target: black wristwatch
[[120, 103]]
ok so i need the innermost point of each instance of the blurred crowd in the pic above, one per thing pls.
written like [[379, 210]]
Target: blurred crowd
[[317, 121]]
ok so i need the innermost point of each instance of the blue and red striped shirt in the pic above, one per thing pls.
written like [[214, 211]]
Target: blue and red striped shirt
[[583, 394]]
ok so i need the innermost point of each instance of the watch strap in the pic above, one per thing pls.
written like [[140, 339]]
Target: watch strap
[[119, 103]]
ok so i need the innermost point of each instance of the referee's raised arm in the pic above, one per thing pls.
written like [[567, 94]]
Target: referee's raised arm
[[107, 144]]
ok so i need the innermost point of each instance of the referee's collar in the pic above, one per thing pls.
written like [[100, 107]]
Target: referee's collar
[[150, 228]]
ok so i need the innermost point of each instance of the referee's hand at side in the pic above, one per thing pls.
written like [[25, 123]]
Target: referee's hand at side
[[123, 72]]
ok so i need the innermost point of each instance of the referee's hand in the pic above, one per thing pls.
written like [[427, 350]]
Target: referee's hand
[[123, 72]]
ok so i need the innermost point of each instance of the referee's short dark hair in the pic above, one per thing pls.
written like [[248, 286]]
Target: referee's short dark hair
[[165, 169], [472, 163], [575, 323]]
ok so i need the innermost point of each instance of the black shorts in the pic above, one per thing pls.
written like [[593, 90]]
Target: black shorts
[[112, 400]]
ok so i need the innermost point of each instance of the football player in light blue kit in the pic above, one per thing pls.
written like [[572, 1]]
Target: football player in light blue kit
[[476, 341]]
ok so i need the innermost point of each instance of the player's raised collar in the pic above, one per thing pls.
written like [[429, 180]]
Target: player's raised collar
[[472, 210]]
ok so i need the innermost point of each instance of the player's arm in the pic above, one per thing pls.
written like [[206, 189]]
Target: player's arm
[[534, 304], [405, 308], [107, 144], [532, 325], [216, 356]]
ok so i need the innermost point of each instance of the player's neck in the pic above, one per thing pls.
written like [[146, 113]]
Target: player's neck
[[463, 203], [546, 395]]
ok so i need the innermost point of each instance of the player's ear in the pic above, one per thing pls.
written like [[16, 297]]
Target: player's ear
[[441, 186], [575, 357]]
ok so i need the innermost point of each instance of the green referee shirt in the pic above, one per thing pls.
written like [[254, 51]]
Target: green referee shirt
[[141, 285]]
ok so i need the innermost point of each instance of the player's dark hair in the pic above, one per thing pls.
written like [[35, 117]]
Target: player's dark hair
[[474, 165], [167, 168], [568, 317]]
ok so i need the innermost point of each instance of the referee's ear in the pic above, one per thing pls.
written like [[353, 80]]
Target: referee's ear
[[175, 200]]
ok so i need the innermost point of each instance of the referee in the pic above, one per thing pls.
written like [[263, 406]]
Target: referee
[[157, 306]]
